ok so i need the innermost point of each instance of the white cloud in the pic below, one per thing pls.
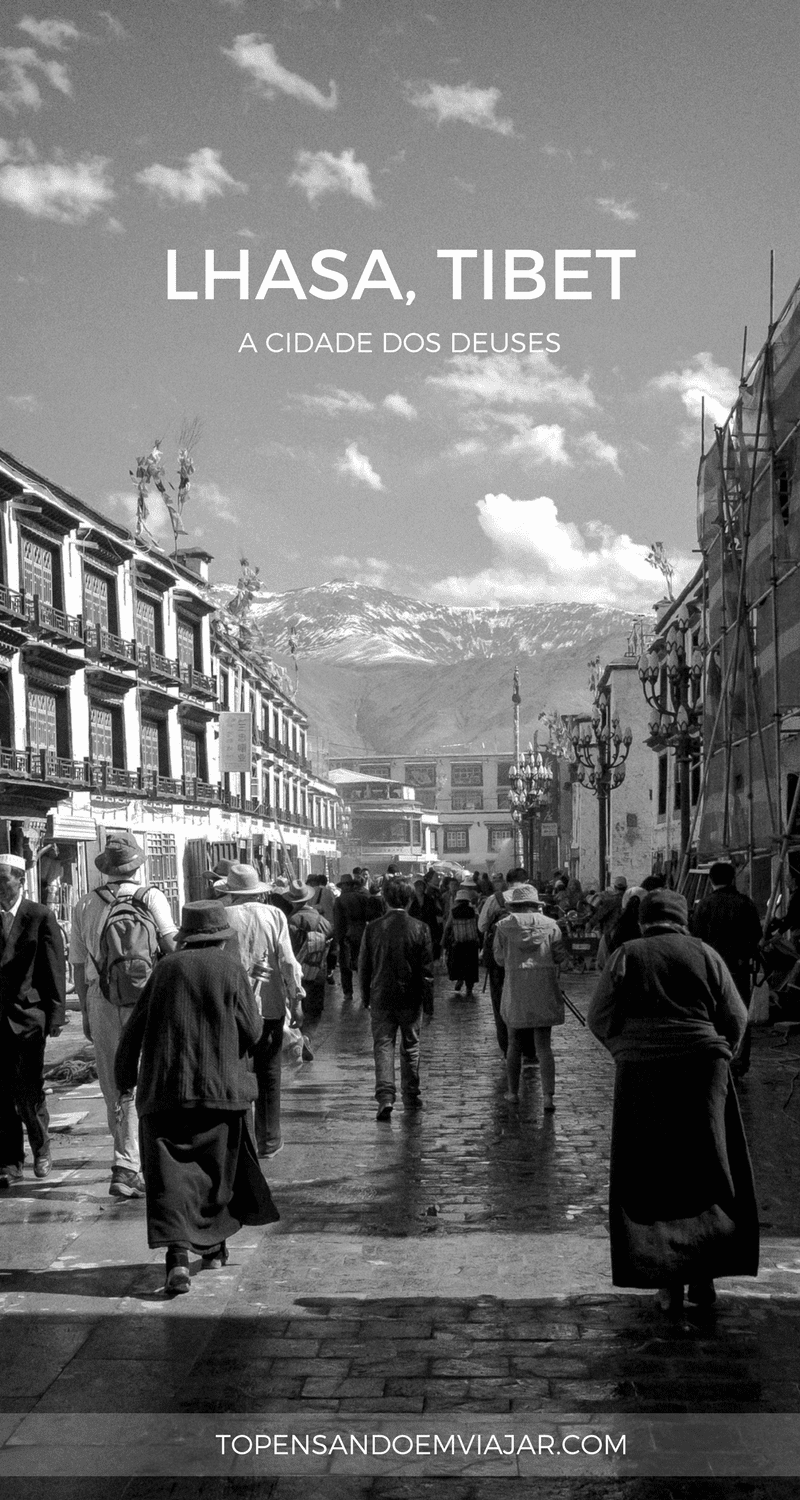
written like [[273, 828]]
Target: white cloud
[[376, 572], [464, 102], [25, 402], [357, 466], [401, 407], [122, 507], [514, 380], [67, 192], [206, 500], [21, 89], [557, 151], [538, 558], [624, 211], [256, 56], [319, 172], [599, 451], [543, 443], [334, 401], [202, 177], [50, 33], [701, 380], [115, 26], [208, 496]]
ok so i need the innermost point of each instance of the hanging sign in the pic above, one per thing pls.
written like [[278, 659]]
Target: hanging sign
[[235, 742]]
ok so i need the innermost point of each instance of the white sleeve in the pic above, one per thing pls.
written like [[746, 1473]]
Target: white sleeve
[[161, 911]]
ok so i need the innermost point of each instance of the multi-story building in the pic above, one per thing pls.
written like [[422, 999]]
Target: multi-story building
[[470, 795], [114, 669], [385, 822]]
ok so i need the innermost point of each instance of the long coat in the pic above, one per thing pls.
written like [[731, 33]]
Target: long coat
[[681, 1198], [33, 971]]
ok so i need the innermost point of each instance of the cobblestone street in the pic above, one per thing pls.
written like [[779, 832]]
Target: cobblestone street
[[454, 1260]]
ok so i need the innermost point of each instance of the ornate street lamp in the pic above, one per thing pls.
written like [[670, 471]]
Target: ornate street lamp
[[531, 783], [671, 674], [601, 750]]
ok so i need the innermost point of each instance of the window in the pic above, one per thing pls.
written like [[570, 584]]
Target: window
[[155, 747], [42, 721], [503, 769], [782, 476], [98, 600], [456, 840], [502, 799], [37, 570], [466, 773], [426, 796], [662, 786], [498, 834], [368, 768], [467, 801], [193, 748], [161, 867], [101, 734], [423, 774], [149, 630], [187, 643]]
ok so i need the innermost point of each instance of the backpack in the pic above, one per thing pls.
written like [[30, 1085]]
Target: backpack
[[313, 953], [128, 946]]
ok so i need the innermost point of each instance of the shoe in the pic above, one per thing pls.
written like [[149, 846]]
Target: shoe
[[10, 1175], [127, 1184], [269, 1151], [384, 1112], [307, 1054], [178, 1280], [331, 979], [549, 1107], [43, 1163], [512, 1098], [701, 1293], [670, 1300], [413, 1104], [216, 1258]]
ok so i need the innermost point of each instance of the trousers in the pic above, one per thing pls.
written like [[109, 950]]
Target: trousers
[[22, 1099], [385, 1026], [106, 1022], [267, 1068]]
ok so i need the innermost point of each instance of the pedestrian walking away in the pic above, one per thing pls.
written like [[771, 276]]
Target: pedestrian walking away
[[728, 921], [461, 940], [186, 1044], [682, 1206], [528, 946], [118, 932], [395, 971], [350, 919], [32, 1007], [265, 950], [311, 938]]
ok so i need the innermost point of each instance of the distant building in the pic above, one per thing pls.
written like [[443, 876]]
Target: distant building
[[469, 795], [385, 822]]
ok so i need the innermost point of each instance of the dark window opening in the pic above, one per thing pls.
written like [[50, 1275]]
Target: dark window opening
[[782, 478], [662, 786]]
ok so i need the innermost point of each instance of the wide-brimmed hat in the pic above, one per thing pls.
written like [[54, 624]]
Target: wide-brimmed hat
[[663, 907], [466, 892], [121, 856], [204, 922], [522, 895], [243, 880], [298, 893]]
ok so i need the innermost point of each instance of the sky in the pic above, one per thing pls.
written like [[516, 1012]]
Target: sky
[[445, 460]]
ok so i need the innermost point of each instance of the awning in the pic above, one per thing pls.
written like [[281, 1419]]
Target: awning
[[70, 830]]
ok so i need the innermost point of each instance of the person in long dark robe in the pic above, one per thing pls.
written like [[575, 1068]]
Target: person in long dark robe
[[682, 1205], [188, 1041]]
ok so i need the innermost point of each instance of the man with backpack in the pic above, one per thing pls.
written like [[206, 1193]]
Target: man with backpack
[[311, 935], [118, 932]]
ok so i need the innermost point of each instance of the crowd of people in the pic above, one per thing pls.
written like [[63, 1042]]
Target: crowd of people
[[188, 1025]]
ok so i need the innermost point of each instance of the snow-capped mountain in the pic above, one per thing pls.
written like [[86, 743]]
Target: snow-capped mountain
[[353, 623]]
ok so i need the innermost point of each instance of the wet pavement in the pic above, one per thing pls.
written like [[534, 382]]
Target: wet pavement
[[450, 1261]]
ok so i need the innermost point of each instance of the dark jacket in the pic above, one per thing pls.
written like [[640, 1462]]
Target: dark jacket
[[189, 1034], [33, 971], [729, 922], [395, 965], [350, 915]]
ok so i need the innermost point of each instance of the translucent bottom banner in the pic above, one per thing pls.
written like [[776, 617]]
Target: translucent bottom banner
[[548, 1446]]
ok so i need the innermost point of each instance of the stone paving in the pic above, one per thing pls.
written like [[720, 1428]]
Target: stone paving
[[454, 1261]]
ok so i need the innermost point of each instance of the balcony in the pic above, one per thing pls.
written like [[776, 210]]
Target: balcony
[[113, 779], [12, 604], [53, 624], [102, 645], [197, 684], [160, 668], [43, 766]]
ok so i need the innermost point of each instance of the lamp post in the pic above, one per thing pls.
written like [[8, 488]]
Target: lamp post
[[671, 674], [531, 782], [601, 750]]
